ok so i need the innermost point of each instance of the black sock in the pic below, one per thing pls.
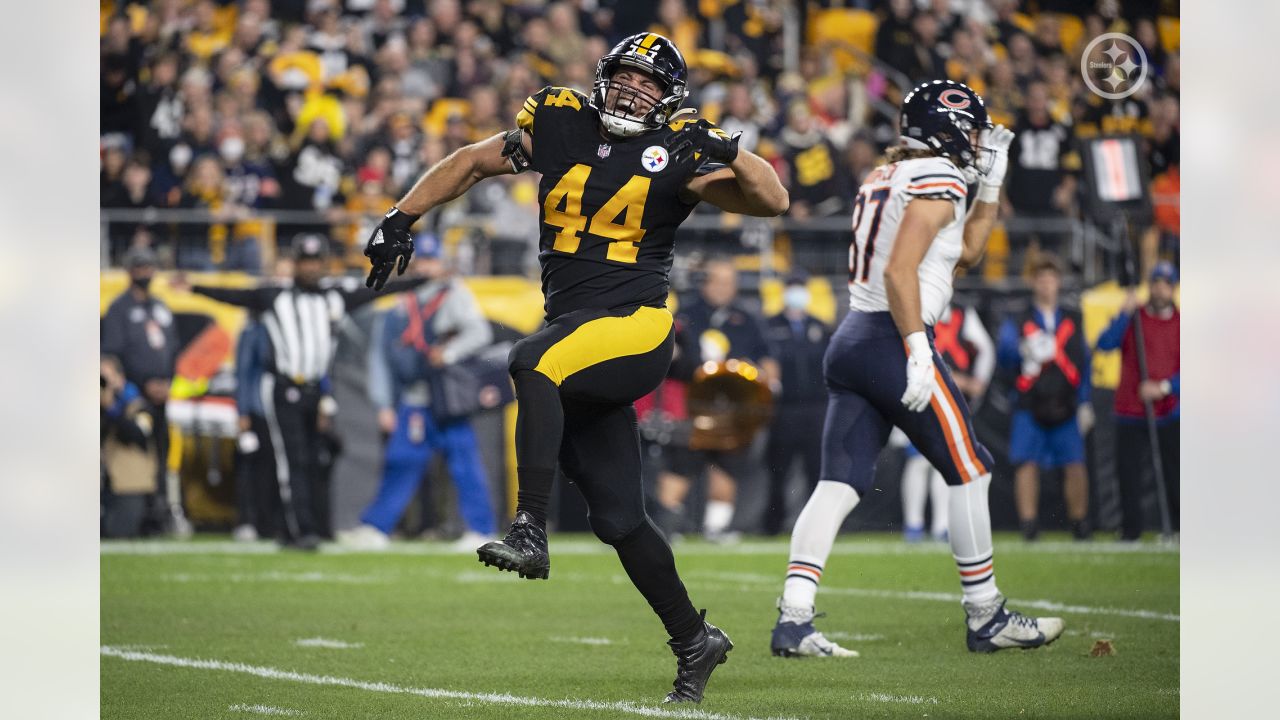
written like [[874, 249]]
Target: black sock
[[539, 429], [652, 568], [534, 494]]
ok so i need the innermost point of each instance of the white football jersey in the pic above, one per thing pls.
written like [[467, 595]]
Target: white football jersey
[[877, 215]]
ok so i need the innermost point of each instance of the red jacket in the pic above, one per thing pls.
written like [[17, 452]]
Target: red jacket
[[1162, 340]]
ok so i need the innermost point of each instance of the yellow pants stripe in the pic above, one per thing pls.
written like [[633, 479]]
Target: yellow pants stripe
[[605, 339]]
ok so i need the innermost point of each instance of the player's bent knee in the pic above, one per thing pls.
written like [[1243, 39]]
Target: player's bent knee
[[615, 531]]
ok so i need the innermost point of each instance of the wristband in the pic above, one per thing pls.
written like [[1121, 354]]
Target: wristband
[[398, 218], [988, 193], [918, 345]]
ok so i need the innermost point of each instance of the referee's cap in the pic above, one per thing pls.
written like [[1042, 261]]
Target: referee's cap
[[1165, 270], [140, 257], [310, 246]]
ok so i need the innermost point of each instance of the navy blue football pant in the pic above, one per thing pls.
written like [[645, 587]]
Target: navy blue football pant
[[416, 439], [866, 373]]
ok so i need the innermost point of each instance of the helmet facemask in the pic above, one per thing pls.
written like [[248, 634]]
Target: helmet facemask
[[628, 111], [961, 146]]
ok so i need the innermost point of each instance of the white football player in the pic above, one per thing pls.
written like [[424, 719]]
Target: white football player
[[911, 232]]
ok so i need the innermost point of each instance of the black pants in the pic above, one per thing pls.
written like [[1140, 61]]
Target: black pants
[[291, 413], [257, 494], [1135, 472], [796, 431], [575, 383]]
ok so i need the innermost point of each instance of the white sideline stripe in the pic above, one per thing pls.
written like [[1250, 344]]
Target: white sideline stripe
[[270, 673], [264, 710], [581, 640], [745, 580], [582, 547], [319, 642], [279, 576], [854, 637], [908, 699]]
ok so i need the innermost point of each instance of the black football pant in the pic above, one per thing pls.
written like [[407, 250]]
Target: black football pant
[[292, 411], [576, 382], [1134, 466], [256, 493], [796, 432]]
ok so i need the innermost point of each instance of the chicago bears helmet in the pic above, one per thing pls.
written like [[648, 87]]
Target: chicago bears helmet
[[650, 53], [940, 116]]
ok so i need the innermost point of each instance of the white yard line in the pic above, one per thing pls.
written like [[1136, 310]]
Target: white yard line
[[265, 710], [756, 581], [628, 708], [313, 576], [319, 642], [581, 640], [905, 699]]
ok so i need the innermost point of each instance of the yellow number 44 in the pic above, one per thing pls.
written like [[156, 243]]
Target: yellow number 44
[[628, 203]]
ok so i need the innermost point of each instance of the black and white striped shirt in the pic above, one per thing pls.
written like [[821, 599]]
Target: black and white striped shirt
[[301, 322]]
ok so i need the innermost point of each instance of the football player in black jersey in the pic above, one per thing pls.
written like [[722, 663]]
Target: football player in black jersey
[[621, 169]]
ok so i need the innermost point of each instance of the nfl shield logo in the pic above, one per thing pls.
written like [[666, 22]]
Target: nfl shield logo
[[604, 150]]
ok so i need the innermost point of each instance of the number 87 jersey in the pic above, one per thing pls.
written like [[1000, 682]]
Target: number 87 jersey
[[877, 217]]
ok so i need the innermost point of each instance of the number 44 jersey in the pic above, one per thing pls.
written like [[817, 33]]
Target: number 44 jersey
[[877, 216], [610, 206]]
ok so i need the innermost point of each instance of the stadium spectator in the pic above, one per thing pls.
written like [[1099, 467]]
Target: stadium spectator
[[1046, 347], [138, 330], [817, 184], [435, 326], [1042, 186], [1160, 389], [723, 328], [798, 341]]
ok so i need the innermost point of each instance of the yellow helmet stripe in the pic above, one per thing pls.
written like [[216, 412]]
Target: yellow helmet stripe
[[643, 48]]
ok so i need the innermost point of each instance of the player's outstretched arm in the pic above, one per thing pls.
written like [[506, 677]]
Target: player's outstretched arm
[[982, 216], [390, 246], [921, 223]]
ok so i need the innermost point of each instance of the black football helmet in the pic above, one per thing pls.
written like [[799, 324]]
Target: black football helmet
[[651, 53], [939, 116]]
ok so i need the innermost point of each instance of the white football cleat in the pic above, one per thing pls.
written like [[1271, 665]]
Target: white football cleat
[[990, 627], [364, 537], [245, 533], [470, 540], [795, 636]]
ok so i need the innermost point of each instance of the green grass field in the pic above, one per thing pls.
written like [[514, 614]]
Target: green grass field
[[208, 629]]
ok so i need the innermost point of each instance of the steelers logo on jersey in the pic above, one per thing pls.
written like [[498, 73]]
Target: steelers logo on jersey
[[654, 158]]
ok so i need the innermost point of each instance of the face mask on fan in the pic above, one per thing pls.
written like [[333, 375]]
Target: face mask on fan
[[796, 297]]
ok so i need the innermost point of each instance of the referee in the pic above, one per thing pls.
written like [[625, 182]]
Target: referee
[[300, 319]]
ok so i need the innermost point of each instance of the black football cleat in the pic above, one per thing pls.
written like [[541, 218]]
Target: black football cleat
[[695, 660], [523, 550]]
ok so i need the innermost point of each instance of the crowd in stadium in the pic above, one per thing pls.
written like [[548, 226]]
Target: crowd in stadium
[[333, 107], [275, 120]]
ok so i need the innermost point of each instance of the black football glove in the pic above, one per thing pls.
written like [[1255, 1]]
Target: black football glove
[[697, 138], [389, 246]]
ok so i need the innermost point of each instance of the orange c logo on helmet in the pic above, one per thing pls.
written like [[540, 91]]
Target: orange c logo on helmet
[[954, 99]]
